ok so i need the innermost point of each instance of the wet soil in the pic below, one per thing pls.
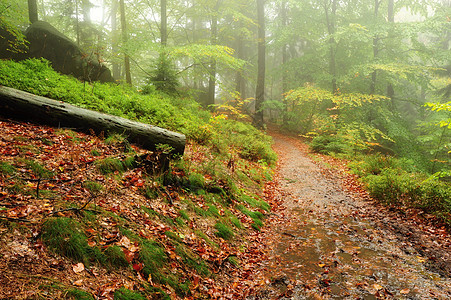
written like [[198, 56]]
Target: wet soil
[[330, 242]]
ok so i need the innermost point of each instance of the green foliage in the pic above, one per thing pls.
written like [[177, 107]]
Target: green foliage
[[164, 77], [200, 53], [126, 294], [395, 181], [224, 231]]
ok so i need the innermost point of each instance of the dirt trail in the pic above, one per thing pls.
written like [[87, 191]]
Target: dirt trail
[[327, 243]]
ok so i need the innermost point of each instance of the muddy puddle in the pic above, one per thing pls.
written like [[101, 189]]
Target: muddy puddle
[[321, 248]]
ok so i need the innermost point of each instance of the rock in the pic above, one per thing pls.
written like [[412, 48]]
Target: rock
[[66, 57], [45, 41]]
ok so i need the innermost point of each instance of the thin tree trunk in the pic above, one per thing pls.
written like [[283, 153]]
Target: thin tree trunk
[[213, 65], [239, 78], [330, 19], [261, 65], [283, 15], [128, 76], [375, 49], [391, 19], [114, 41], [164, 23], [33, 11]]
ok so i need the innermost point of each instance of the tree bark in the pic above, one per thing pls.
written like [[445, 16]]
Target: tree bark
[[261, 65], [33, 11], [25, 106], [128, 76]]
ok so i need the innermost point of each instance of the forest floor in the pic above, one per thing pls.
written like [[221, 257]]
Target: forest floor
[[329, 239], [325, 237]]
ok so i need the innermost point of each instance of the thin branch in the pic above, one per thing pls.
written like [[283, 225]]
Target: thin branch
[[14, 219]]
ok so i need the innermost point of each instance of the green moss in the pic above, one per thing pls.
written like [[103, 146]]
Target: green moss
[[184, 214]]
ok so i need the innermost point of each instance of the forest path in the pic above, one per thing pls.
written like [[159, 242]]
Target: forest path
[[329, 243]]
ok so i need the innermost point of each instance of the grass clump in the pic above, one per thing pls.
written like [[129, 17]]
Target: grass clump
[[65, 237], [190, 259], [77, 294], [153, 256], [7, 168], [109, 165], [126, 294], [93, 187], [115, 257], [256, 203], [223, 231]]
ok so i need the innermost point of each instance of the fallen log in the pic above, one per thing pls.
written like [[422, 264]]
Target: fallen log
[[25, 106]]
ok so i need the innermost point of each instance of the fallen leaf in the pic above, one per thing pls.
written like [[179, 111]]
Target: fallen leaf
[[78, 282], [404, 291], [80, 267], [378, 287]]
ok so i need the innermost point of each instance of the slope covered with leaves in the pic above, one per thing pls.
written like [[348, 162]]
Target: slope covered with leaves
[[82, 216]]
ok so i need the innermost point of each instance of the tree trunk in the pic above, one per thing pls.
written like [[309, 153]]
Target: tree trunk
[[330, 19], [213, 41], [283, 15], [375, 49], [261, 65], [128, 76], [33, 11], [164, 23], [240, 84], [391, 19], [114, 41], [26, 106]]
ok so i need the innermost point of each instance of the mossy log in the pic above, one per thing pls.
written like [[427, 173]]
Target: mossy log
[[25, 106]]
